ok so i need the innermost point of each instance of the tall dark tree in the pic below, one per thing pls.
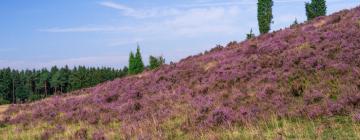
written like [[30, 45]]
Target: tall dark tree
[[55, 81], [64, 79], [315, 9], [6, 86], [44, 81], [139, 65], [265, 15], [131, 63]]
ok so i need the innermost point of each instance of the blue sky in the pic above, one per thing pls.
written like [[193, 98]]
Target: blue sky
[[43, 33]]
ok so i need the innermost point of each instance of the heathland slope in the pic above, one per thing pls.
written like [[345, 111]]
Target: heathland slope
[[308, 71]]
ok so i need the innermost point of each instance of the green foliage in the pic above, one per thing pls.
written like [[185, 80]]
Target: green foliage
[[131, 63], [31, 85], [250, 35], [136, 64], [139, 65], [315, 9], [264, 15], [3, 101], [156, 62]]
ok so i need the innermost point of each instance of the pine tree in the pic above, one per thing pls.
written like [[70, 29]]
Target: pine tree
[[43, 83], [264, 15], [315, 9], [55, 81], [5, 86], [64, 79], [138, 63], [250, 35], [131, 63]]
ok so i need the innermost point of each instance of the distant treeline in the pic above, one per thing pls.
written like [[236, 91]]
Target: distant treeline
[[28, 85]]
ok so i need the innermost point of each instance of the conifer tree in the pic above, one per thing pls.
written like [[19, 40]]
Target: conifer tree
[[139, 65], [315, 9], [131, 69], [264, 15], [44, 81]]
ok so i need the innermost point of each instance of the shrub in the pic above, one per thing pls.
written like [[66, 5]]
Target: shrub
[[221, 116], [356, 117], [98, 136]]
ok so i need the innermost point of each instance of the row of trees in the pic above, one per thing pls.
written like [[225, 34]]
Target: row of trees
[[19, 86], [314, 9], [29, 85]]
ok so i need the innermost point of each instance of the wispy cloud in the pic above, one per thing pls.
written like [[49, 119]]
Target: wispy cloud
[[116, 6], [137, 13]]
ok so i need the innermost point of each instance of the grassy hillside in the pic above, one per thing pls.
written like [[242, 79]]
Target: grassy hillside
[[302, 82]]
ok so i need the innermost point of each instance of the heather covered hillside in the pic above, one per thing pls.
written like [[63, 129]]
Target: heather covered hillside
[[302, 78]]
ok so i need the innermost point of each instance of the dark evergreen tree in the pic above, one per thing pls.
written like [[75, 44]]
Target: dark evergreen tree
[[43, 83], [131, 63], [55, 81], [315, 9], [5, 86], [139, 65], [265, 15]]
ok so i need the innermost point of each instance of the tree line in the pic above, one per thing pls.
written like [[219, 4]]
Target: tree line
[[20, 86]]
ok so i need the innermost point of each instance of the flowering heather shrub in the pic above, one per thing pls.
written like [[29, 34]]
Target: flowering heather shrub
[[221, 116], [288, 73], [357, 117], [313, 97], [98, 136], [334, 108]]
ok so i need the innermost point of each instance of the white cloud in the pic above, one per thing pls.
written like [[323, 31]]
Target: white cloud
[[137, 13], [117, 6], [212, 19], [198, 21]]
